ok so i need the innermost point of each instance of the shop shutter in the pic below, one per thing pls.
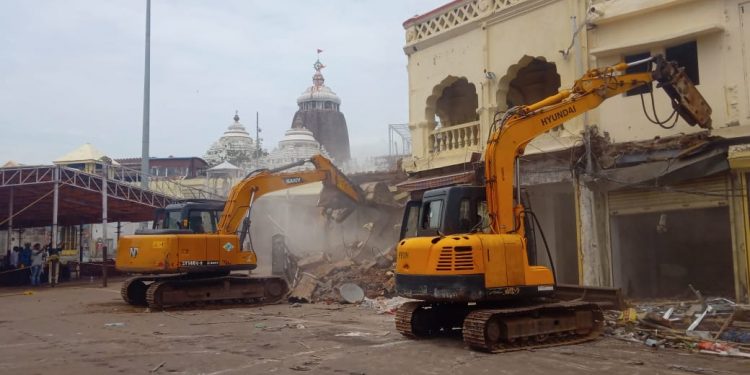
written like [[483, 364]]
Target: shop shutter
[[700, 193]]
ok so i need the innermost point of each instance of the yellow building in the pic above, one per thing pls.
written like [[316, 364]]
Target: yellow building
[[653, 208]]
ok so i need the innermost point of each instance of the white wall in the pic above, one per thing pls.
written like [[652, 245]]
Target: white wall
[[714, 25]]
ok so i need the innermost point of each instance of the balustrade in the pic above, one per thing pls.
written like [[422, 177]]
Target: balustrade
[[455, 137]]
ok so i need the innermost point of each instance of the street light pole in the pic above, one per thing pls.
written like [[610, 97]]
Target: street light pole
[[146, 101]]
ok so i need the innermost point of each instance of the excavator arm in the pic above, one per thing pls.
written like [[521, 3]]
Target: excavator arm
[[522, 124], [265, 181]]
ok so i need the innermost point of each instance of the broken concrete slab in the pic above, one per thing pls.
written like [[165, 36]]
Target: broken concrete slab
[[305, 289], [312, 261]]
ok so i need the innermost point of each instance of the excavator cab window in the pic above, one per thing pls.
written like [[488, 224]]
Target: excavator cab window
[[410, 222], [196, 222], [172, 220], [169, 219], [465, 219], [431, 214], [202, 221], [159, 218]]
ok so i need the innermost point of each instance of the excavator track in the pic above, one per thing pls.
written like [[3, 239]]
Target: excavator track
[[421, 319], [238, 289], [505, 329], [405, 318], [531, 327], [133, 291]]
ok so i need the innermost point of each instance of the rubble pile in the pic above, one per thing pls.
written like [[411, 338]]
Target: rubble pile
[[706, 325], [321, 276]]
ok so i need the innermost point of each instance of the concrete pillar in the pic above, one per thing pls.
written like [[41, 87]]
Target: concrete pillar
[[10, 220], [420, 133], [55, 200], [80, 249], [594, 258], [740, 230], [104, 225]]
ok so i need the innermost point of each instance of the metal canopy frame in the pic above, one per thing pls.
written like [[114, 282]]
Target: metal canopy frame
[[27, 194]]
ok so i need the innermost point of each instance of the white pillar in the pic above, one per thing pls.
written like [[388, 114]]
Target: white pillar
[[594, 257], [55, 201], [104, 224], [10, 220]]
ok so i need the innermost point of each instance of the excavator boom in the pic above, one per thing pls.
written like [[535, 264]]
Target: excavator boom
[[264, 181], [522, 124]]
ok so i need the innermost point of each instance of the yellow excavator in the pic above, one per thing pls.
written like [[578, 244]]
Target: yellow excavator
[[188, 254], [463, 249]]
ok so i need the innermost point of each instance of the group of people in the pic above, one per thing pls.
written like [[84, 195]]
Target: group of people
[[34, 258]]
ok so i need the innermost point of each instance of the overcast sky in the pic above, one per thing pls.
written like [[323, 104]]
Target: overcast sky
[[72, 71]]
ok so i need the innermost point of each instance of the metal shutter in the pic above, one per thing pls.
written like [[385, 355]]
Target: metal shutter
[[702, 193]]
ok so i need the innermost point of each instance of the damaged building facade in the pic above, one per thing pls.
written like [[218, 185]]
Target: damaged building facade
[[623, 202]]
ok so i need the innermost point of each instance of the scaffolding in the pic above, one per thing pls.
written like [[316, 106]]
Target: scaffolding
[[399, 135]]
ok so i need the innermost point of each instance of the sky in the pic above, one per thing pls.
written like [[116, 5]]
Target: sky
[[71, 71]]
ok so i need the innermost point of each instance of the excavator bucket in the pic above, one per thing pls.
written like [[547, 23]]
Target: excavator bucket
[[337, 206], [686, 99]]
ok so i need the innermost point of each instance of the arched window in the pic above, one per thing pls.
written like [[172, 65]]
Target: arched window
[[454, 101], [530, 81]]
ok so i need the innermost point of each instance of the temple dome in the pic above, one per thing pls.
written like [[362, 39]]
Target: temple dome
[[318, 94], [236, 129], [297, 144], [298, 137], [235, 146]]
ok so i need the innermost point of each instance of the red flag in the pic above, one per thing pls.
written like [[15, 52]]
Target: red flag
[[320, 50]]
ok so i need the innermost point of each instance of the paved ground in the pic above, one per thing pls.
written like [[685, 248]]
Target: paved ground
[[88, 329]]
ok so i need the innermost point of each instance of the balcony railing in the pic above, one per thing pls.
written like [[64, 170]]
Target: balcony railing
[[456, 137], [460, 14]]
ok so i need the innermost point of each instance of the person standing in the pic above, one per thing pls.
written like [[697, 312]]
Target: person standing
[[37, 259], [14, 257], [53, 261], [24, 256]]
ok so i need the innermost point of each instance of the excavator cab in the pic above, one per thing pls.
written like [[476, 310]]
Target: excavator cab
[[190, 217], [434, 215]]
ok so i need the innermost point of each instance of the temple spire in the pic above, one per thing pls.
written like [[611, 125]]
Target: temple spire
[[318, 79]]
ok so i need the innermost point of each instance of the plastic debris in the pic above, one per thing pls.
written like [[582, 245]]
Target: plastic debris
[[353, 334], [384, 305], [708, 325]]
